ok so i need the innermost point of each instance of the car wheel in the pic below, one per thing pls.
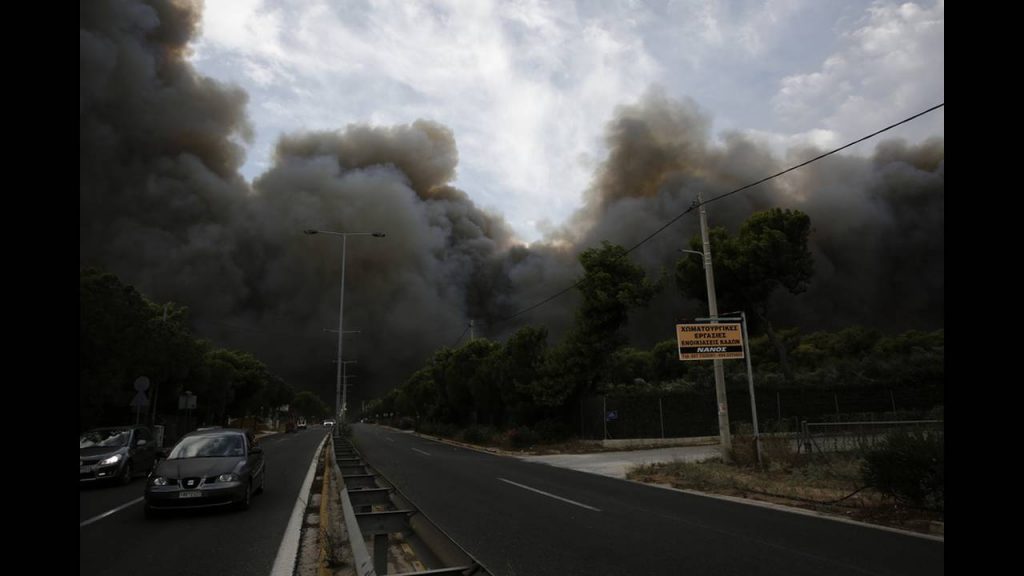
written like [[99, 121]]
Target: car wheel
[[247, 500], [263, 480], [126, 477]]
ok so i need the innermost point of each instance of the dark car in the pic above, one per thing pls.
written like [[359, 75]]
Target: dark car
[[207, 468], [115, 454]]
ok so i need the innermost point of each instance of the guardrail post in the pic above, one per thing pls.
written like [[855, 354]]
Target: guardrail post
[[380, 553], [807, 436]]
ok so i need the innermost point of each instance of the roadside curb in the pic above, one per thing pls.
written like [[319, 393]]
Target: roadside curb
[[325, 485], [482, 449], [491, 451]]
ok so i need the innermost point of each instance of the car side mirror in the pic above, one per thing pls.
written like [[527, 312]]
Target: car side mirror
[[256, 450], [161, 454]]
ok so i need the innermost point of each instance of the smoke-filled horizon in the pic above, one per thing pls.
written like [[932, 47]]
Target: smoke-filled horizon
[[163, 205]]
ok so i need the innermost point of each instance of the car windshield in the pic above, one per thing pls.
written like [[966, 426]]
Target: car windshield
[[208, 445], [111, 438]]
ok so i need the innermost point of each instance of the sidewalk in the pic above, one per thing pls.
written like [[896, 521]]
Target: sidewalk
[[616, 464], [265, 433]]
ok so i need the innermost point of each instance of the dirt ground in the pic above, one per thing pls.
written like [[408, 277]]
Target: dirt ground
[[829, 487]]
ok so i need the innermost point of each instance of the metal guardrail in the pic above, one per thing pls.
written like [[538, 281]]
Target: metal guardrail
[[360, 487]]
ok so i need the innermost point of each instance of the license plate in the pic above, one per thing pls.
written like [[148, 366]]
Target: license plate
[[190, 494]]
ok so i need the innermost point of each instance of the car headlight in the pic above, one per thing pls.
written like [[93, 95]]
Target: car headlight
[[227, 478], [159, 481], [112, 460]]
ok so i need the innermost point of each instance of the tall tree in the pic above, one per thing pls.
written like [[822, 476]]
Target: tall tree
[[473, 366], [123, 336], [309, 405], [521, 369], [612, 285], [770, 251]]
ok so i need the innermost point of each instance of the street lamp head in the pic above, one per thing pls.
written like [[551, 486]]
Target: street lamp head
[[379, 234], [310, 231]]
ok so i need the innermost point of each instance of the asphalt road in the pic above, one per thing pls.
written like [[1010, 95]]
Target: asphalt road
[[196, 543], [523, 518]]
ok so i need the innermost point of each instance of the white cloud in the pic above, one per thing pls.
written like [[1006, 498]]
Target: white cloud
[[890, 66], [528, 86]]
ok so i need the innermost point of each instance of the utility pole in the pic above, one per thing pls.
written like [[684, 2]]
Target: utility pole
[[723, 405]]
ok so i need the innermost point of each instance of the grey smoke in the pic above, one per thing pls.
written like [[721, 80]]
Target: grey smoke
[[162, 204]]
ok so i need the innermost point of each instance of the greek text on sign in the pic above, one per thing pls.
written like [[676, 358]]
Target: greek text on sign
[[709, 341]]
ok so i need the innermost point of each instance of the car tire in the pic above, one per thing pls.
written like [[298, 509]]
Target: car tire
[[263, 480], [245, 502], [126, 476]]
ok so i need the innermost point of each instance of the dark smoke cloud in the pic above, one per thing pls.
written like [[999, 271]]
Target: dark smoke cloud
[[162, 204], [878, 222]]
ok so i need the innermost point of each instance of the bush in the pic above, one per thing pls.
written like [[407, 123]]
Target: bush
[[744, 451], [776, 451], [406, 423], [520, 437], [438, 429], [551, 431], [910, 467], [476, 435]]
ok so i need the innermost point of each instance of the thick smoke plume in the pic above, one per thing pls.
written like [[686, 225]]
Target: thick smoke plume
[[162, 204]]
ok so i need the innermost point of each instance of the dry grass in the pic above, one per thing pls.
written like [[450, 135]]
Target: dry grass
[[831, 486]]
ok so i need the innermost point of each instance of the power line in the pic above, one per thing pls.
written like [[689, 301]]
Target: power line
[[816, 158]]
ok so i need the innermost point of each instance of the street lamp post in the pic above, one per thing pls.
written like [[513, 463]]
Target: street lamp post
[[344, 384], [341, 394]]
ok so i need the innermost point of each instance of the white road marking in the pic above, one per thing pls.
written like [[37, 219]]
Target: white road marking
[[550, 495], [109, 512], [421, 451], [284, 563]]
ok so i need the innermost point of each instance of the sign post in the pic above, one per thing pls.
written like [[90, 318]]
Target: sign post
[[187, 402], [724, 340], [140, 400]]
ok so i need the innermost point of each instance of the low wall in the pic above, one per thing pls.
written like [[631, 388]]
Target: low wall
[[660, 442]]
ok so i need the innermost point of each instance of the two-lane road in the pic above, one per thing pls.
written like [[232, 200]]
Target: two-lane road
[[520, 518], [196, 543]]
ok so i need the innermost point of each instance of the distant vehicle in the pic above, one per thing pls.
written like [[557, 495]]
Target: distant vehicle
[[208, 468], [301, 424], [115, 454], [328, 423]]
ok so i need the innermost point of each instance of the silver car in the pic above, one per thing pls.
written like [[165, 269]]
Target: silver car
[[205, 469], [115, 454]]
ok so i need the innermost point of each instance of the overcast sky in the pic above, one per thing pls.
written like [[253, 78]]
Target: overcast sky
[[528, 87]]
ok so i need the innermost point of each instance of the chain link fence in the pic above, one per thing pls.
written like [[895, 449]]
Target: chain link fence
[[779, 410]]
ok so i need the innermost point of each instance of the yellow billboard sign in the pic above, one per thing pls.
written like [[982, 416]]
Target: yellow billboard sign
[[709, 341]]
